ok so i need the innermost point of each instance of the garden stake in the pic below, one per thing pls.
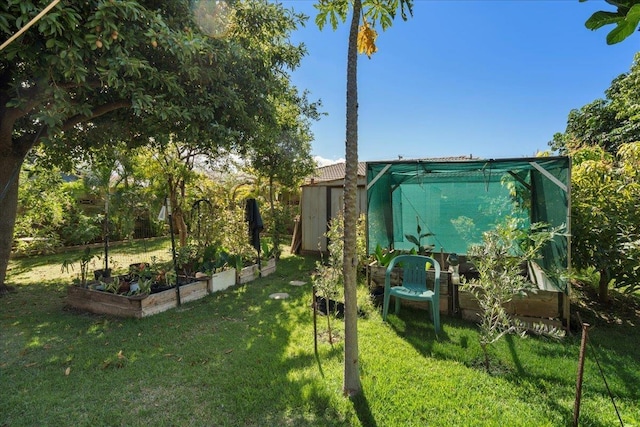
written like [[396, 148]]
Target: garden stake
[[315, 321], [173, 249], [583, 344], [106, 234]]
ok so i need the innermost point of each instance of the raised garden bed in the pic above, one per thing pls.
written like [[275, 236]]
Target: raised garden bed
[[247, 274], [222, 280], [539, 307], [137, 306], [253, 271], [268, 267], [543, 306]]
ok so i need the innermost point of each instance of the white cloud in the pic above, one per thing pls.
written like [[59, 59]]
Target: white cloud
[[321, 161]]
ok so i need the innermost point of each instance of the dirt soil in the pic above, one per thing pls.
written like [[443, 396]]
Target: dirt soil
[[621, 309]]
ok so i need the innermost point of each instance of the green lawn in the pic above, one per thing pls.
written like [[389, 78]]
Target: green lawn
[[239, 358]]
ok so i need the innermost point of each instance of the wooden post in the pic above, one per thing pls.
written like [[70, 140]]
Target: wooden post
[[583, 345]]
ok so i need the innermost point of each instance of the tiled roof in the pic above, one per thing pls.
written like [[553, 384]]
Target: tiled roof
[[334, 172]]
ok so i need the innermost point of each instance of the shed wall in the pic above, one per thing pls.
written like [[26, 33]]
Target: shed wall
[[319, 204]]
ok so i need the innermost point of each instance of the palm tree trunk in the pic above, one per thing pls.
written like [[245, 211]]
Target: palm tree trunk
[[352, 384]]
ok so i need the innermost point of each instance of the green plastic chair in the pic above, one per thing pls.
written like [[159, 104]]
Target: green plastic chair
[[414, 285]]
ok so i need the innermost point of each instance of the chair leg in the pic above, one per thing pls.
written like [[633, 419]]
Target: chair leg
[[435, 310], [397, 305], [385, 306]]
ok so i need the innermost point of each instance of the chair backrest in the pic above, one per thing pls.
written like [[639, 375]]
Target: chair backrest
[[414, 271]]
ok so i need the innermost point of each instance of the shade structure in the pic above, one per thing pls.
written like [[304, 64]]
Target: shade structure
[[457, 201]]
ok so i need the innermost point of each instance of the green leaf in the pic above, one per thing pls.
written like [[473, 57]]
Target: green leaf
[[412, 239], [602, 18], [626, 27]]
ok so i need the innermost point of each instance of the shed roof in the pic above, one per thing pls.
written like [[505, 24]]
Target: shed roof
[[334, 172]]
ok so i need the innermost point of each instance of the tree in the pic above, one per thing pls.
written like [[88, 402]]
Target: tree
[[499, 260], [608, 122], [362, 39], [285, 153], [626, 19], [606, 226], [100, 72]]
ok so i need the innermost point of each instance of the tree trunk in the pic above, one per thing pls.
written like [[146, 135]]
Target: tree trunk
[[603, 286], [351, 385], [180, 226], [275, 231], [10, 164]]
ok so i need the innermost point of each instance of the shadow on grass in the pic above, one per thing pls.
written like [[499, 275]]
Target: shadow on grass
[[252, 353], [416, 327], [543, 364], [363, 410]]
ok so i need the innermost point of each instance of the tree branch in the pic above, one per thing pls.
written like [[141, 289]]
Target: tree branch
[[97, 112]]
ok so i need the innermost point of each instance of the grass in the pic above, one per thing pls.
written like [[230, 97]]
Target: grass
[[239, 358], [121, 254]]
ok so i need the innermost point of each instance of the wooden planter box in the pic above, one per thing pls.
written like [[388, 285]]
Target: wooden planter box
[[540, 307], [268, 267], [222, 280], [376, 275], [247, 274], [101, 302]]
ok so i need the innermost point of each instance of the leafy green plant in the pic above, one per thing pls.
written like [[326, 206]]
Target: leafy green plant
[[498, 260], [383, 256], [112, 286], [416, 239], [83, 259], [144, 285], [327, 277], [267, 251], [212, 258]]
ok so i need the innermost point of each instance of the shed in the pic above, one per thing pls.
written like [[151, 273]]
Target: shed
[[457, 201], [322, 199]]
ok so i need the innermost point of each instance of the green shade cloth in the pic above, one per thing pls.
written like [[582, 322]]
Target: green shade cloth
[[457, 201]]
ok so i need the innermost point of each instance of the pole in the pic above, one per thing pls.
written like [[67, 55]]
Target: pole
[[106, 235], [26, 27], [173, 249], [583, 345], [315, 321]]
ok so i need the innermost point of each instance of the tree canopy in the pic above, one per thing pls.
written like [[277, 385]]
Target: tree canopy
[[608, 122], [100, 72]]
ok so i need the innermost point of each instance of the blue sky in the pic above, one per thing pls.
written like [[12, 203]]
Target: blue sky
[[492, 79]]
